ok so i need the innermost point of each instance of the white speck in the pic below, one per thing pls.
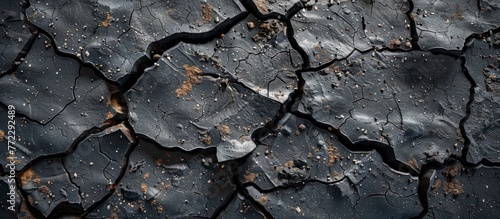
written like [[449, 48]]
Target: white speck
[[297, 209]]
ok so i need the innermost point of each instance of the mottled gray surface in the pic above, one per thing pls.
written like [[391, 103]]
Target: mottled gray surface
[[251, 109]]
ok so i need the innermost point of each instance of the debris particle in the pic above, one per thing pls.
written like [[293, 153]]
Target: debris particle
[[302, 127], [333, 154], [395, 43], [297, 209], [414, 163], [206, 11], [206, 139], [193, 75], [250, 25], [144, 187], [452, 171], [159, 209], [453, 187], [225, 130], [106, 22]]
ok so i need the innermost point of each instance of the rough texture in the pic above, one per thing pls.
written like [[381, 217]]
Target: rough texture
[[250, 109]]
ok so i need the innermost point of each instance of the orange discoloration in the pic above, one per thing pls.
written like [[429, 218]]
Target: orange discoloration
[[106, 22], [263, 200], [250, 177], [193, 75], [28, 175], [109, 115], [454, 187], [144, 187], [206, 12]]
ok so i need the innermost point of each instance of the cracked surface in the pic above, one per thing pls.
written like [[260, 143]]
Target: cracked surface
[[252, 109]]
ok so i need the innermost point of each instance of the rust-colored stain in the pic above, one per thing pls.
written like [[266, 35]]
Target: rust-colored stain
[[106, 22], [453, 170], [2, 134], [263, 200], [289, 164], [333, 153], [193, 76], [206, 139], [250, 177], [109, 115], [45, 190], [262, 6], [414, 163], [225, 130], [453, 187], [113, 102], [159, 209], [206, 12], [436, 186], [144, 187], [28, 175]]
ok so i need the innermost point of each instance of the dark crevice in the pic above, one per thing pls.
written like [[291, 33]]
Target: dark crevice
[[157, 48], [271, 126], [429, 167], [65, 209], [251, 7], [463, 132], [115, 91], [117, 119], [63, 163], [25, 198], [225, 204], [22, 54], [413, 26], [58, 52], [478, 36], [469, 41], [385, 150], [112, 187], [297, 185], [27, 47]]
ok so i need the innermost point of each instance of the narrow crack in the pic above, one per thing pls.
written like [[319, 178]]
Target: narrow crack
[[413, 27], [157, 48], [112, 187]]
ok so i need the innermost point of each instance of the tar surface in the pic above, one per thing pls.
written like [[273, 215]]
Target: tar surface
[[251, 109]]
